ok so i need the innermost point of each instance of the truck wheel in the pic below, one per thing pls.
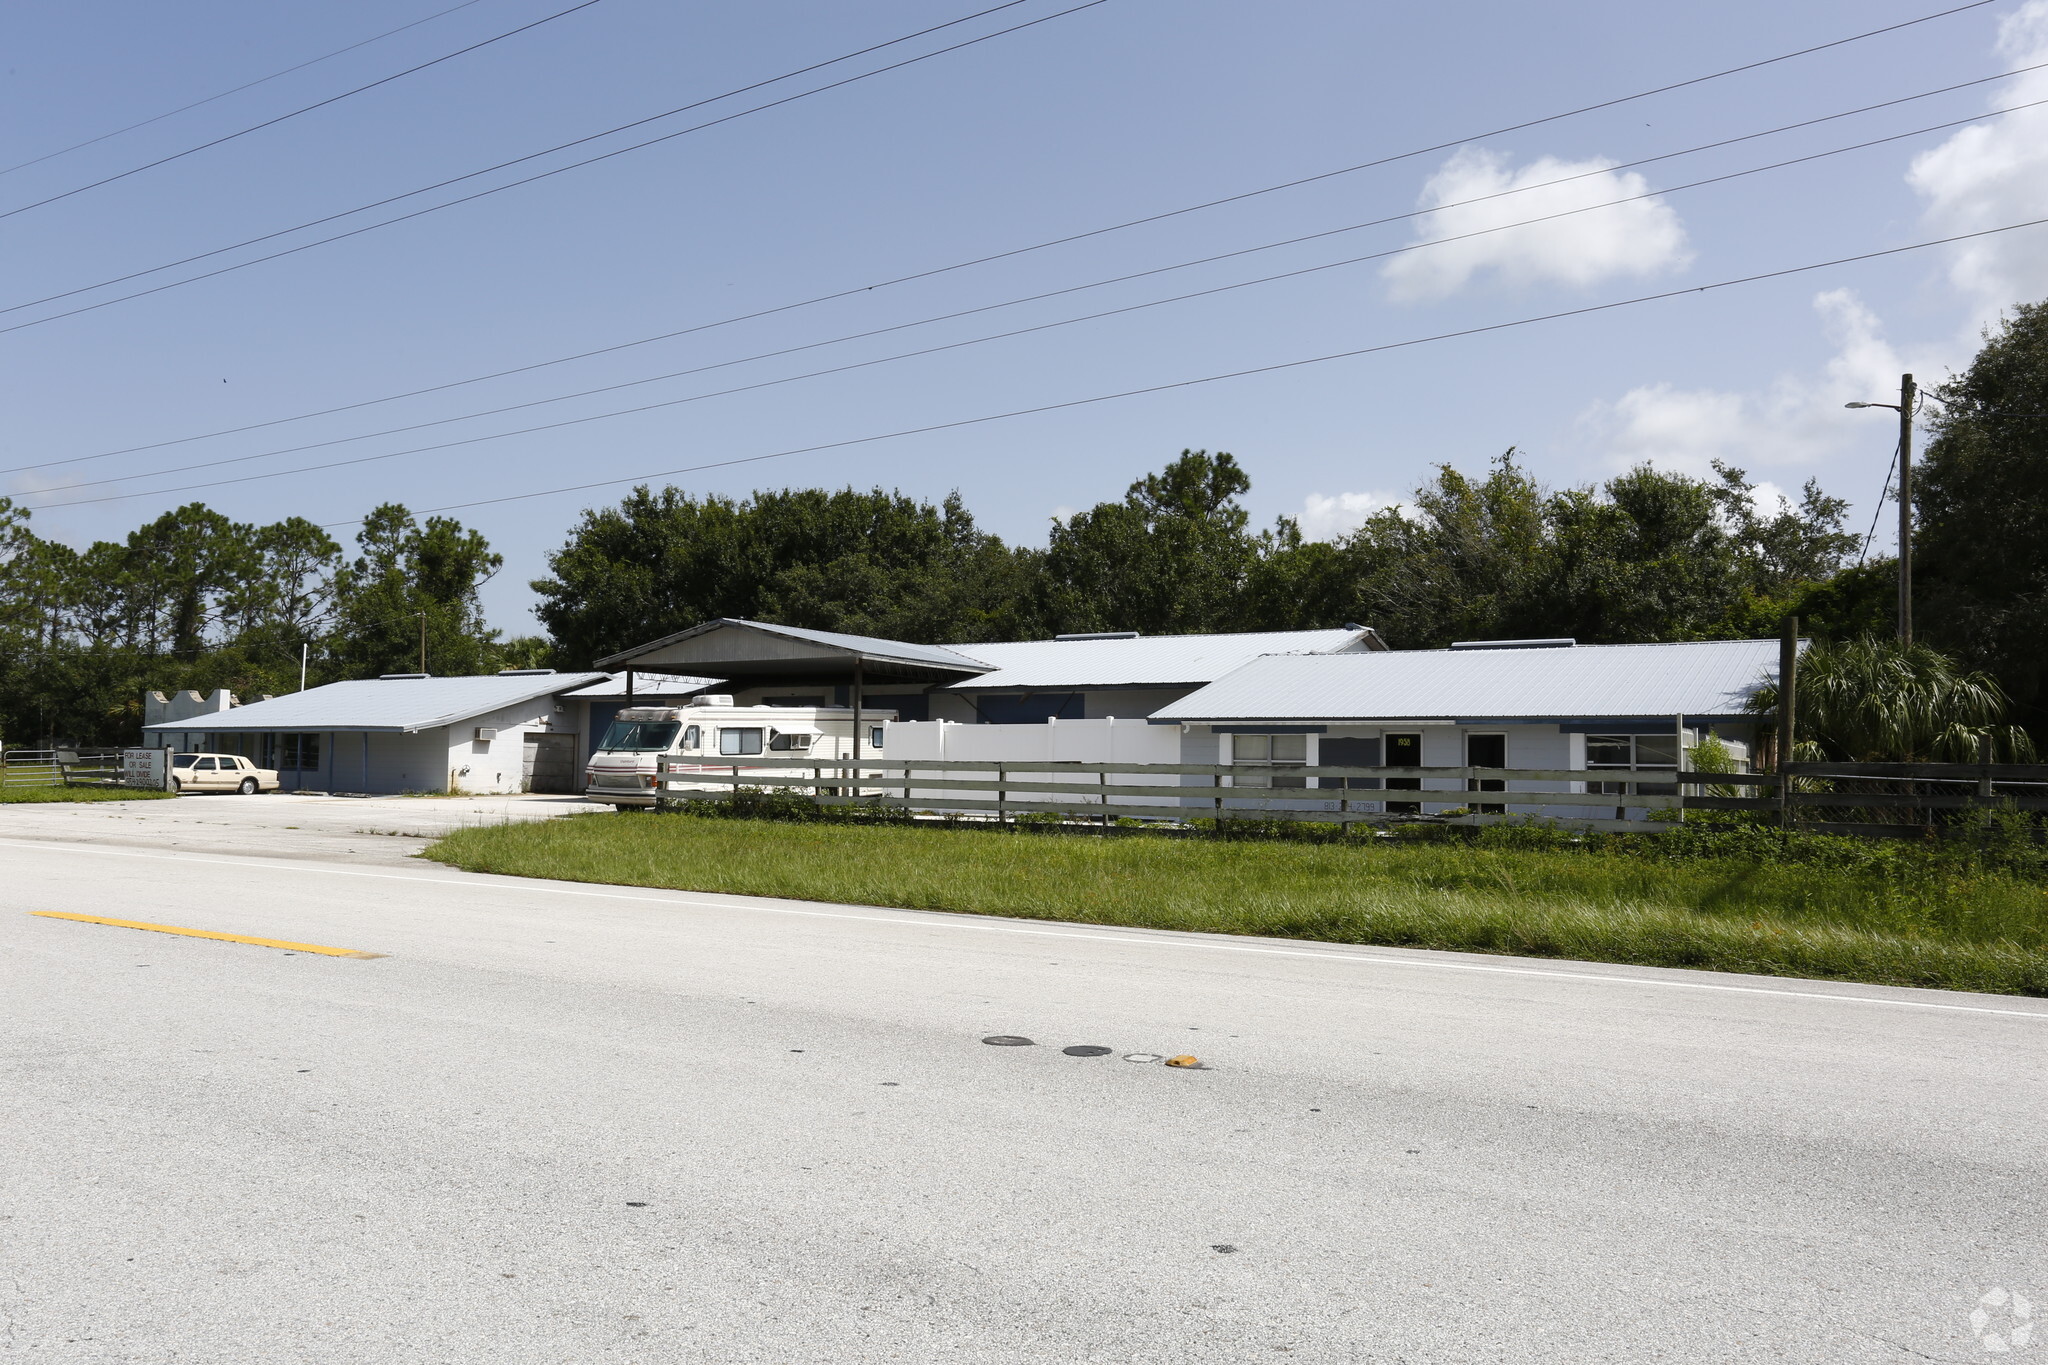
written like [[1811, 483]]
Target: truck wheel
[[177, 787], [248, 787]]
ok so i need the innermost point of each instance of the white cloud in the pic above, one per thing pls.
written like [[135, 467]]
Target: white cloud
[[1796, 421], [1990, 174], [1635, 239], [1332, 516]]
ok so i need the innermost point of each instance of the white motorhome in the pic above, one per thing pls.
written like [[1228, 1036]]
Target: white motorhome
[[710, 734]]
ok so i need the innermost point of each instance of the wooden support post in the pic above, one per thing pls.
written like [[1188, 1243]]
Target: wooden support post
[[858, 677], [1002, 794], [1984, 756], [1679, 786], [1102, 780]]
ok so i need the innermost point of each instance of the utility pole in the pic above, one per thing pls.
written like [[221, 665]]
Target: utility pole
[[1788, 715], [304, 645], [1907, 392], [423, 642]]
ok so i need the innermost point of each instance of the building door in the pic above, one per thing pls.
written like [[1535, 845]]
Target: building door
[[1486, 751], [549, 764], [1403, 751]]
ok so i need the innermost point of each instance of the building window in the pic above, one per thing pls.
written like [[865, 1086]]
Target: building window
[[1277, 753], [746, 741], [1486, 751], [1634, 752], [286, 752]]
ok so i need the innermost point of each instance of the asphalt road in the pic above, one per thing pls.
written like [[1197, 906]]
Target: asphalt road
[[564, 1124]]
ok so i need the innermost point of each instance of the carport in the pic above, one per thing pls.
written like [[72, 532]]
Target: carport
[[792, 666]]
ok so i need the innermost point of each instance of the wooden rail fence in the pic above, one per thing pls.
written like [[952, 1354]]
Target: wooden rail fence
[[1926, 794]]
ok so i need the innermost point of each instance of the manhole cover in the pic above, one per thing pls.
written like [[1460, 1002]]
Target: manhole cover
[[1086, 1050], [1142, 1057], [1007, 1040]]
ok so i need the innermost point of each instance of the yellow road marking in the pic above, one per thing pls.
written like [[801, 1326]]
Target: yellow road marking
[[205, 933]]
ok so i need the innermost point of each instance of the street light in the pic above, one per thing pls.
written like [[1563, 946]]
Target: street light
[[1904, 407]]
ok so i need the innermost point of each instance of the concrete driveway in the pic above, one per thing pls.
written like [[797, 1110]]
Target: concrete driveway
[[385, 829], [566, 1123]]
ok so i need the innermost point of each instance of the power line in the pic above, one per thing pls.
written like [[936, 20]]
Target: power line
[[321, 104], [1061, 241], [1890, 470], [1233, 374], [1585, 310], [998, 336], [701, 327], [246, 85], [543, 175]]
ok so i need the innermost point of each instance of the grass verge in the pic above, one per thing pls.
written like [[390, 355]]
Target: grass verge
[[18, 795], [1952, 929]]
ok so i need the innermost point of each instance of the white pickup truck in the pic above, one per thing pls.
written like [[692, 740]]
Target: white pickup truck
[[713, 735]]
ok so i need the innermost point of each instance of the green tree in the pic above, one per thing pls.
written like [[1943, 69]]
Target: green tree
[[1877, 700], [1980, 505], [408, 579], [1174, 556], [873, 563]]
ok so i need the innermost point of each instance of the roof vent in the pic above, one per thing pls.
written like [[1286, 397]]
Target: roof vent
[[1562, 642], [1101, 635], [713, 699], [395, 677], [524, 672]]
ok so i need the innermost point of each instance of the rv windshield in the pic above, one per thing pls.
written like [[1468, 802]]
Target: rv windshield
[[641, 736]]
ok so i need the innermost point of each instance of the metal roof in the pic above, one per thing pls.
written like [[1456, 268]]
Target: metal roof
[[1145, 661], [1699, 678], [646, 685], [400, 705], [866, 646]]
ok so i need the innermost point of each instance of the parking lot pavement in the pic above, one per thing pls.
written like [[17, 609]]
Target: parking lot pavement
[[381, 829]]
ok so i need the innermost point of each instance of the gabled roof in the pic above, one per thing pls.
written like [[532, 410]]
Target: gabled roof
[[397, 705], [1140, 661], [865, 647], [1709, 678]]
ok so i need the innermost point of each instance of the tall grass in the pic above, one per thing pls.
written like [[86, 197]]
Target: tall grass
[[1951, 924]]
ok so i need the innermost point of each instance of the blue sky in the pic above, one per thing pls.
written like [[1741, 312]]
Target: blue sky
[[1129, 108]]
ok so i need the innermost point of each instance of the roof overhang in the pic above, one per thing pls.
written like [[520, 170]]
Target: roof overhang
[[757, 654]]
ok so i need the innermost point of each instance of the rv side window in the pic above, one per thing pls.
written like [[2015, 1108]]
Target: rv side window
[[784, 743], [692, 737], [746, 741], [875, 737]]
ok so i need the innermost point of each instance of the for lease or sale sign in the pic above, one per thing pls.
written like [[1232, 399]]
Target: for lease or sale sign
[[148, 768]]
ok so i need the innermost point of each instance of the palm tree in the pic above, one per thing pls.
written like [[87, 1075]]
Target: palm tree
[[1880, 701]]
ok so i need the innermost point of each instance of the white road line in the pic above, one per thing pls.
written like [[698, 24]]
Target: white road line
[[1077, 934]]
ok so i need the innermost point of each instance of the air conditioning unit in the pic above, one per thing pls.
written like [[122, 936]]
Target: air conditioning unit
[[485, 734], [716, 699]]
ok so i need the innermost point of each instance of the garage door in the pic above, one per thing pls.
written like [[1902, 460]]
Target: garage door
[[549, 764]]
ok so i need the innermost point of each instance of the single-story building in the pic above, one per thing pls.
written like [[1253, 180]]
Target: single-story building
[[506, 732], [1619, 711]]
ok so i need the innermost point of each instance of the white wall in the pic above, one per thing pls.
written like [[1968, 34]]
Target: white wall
[[489, 767], [1057, 741]]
